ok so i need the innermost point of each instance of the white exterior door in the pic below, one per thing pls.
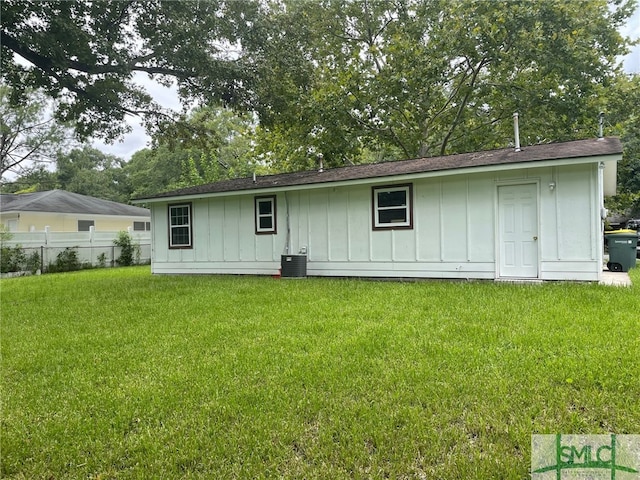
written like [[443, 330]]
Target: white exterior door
[[518, 230]]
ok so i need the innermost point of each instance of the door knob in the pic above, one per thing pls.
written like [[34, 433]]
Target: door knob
[[535, 238]]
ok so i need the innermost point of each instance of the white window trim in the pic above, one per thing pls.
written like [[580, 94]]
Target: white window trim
[[272, 215], [171, 227], [408, 207]]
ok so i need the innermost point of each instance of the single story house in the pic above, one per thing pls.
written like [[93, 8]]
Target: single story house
[[534, 213], [63, 211]]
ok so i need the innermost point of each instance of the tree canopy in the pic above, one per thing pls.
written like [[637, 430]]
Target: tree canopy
[[425, 78], [354, 80], [87, 55], [88, 171], [207, 145], [84, 170]]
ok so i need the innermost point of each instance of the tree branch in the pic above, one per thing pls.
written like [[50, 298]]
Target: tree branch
[[462, 106], [48, 66]]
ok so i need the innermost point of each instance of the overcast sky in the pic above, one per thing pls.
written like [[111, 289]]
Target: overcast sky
[[168, 98], [632, 30], [138, 139]]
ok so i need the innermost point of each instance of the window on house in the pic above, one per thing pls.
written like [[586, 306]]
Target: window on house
[[85, 225], [180, 226], [142, 226], [265, 208], [392, 207]]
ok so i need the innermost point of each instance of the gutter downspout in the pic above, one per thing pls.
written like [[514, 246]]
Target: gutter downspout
[[287, 246], [603, 215]]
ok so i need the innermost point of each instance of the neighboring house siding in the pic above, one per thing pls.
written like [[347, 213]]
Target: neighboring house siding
[[63, 211], [454, 232], [11, 221], [68, 222]]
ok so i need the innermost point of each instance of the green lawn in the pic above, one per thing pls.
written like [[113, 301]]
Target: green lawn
[[115, 373]]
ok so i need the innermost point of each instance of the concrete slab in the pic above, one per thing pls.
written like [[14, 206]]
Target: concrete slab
[[616, 279]]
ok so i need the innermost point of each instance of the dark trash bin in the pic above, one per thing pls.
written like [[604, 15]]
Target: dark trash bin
[[293, 266], [622, 250]]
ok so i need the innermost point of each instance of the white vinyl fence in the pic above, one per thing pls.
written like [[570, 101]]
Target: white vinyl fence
[[92, 248]]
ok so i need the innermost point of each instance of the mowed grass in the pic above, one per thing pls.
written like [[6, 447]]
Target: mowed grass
[[115, 373]]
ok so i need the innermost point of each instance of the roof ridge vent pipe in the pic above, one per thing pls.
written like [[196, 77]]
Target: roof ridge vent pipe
[[254, 177], [516, 131], [321, 167], [601, 126]]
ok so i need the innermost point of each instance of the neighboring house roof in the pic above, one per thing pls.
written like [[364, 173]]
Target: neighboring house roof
[[59, 201], [535, 153]]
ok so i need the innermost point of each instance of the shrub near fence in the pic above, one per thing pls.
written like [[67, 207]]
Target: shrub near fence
[[59, 251]]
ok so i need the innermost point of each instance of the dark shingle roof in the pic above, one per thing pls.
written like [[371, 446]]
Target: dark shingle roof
[[552, 151], [60, 201]]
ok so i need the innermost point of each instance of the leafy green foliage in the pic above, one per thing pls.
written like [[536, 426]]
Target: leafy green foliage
[[84, 170], [623, 105], [12, 259], [624, 204], [15, 259], [128, 249], [39, 179], [5, 234], [33, 262], [217, 143], [437, 77], [66, 261], [152, 171], [102, 260], [210, 144], [352, 81], [88, 55], [88, 171], [244, 377]]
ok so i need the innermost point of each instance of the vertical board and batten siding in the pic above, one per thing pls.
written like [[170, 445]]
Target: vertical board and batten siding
[[568, 215], [575, 253], [224, 239], [454, 232]]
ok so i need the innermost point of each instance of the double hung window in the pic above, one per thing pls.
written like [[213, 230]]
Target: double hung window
[[265, 211], [141, 226], [180, 233]]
